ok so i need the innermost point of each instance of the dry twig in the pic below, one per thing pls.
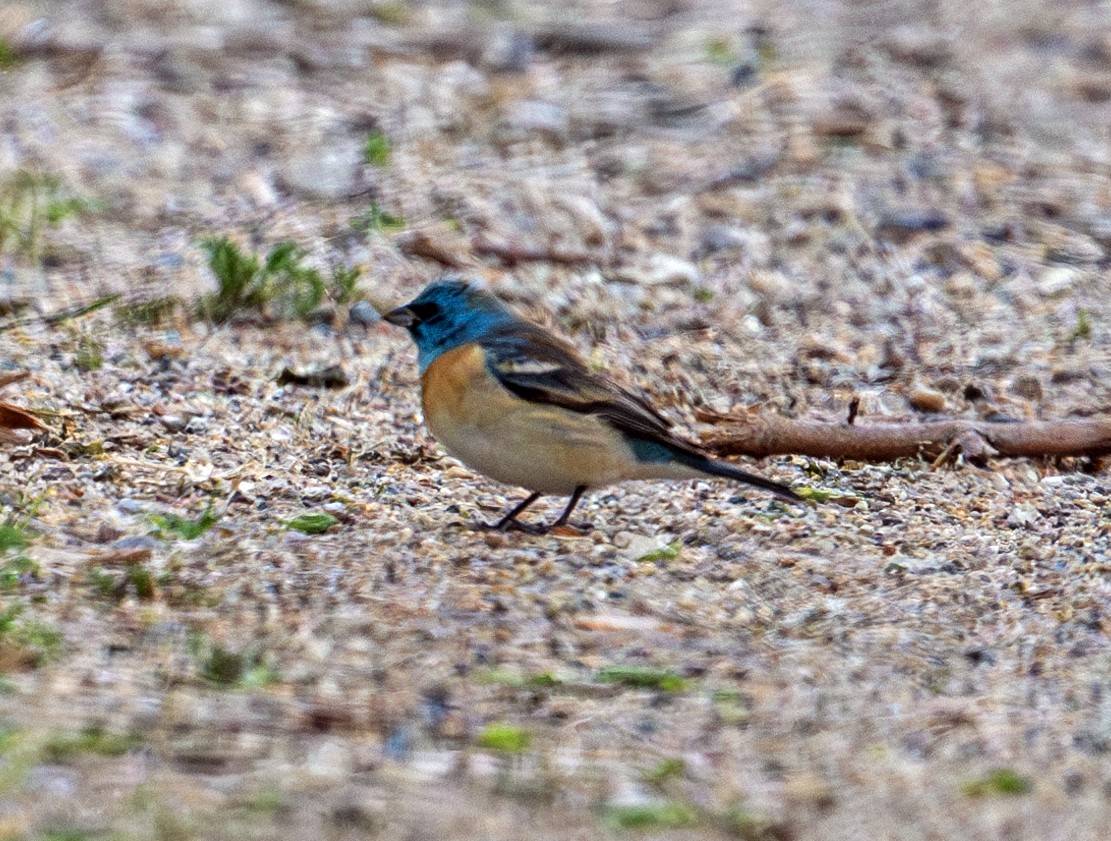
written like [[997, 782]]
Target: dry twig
[[64, 315], [430, 247], [761, 434], [512, 253]]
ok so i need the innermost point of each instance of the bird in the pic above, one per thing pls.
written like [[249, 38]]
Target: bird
[[515, 402]]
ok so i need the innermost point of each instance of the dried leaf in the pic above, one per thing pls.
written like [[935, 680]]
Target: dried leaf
[[12, 417]]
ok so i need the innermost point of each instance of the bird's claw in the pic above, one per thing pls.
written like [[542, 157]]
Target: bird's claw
[[567, 529], [508, 525]]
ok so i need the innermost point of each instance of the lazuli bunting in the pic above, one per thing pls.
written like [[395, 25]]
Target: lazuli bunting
[[514, 402]]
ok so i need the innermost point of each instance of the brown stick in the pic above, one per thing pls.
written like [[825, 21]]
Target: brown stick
[[763, 434], [511, 254], [423, 244], [13, 377]]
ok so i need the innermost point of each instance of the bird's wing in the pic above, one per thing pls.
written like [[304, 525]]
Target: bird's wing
[[535, 365]]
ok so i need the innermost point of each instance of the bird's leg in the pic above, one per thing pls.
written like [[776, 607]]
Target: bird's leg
[[575, 497], [509, 521]]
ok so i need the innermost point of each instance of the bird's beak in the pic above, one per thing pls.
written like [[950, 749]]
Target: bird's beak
[[402, 317]]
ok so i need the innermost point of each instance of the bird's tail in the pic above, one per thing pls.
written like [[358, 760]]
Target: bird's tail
[[728, 471]]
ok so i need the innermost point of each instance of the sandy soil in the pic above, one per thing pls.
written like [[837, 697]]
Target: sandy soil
[[775, 205]]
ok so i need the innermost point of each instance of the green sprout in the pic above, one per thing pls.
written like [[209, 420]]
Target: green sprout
[[312, 523], [504, 738], [376, 150], [642, 677]]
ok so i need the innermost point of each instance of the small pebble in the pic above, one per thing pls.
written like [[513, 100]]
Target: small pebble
[[1028, 386], [665, 270], [534, 118], [926, 399], [137, 541], [1057, 280], [364, 313]]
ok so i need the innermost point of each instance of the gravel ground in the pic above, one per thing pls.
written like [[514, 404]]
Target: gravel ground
[[774, 206]]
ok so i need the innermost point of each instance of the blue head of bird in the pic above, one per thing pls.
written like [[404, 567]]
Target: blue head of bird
[[446, 314]]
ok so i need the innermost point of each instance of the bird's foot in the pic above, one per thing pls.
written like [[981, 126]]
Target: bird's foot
[[509, 525], [562, 529], [517, 525]]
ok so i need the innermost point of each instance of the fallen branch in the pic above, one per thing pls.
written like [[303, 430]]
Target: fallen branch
[[511, 254], [435, 248], [62, 316], [764, 434]]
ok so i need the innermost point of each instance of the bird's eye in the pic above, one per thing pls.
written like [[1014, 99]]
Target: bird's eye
[[425, 311]]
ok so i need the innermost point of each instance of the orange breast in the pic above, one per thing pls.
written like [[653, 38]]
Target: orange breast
[[445, 382]]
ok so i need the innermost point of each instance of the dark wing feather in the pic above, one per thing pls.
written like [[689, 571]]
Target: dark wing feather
[[537, 366]]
